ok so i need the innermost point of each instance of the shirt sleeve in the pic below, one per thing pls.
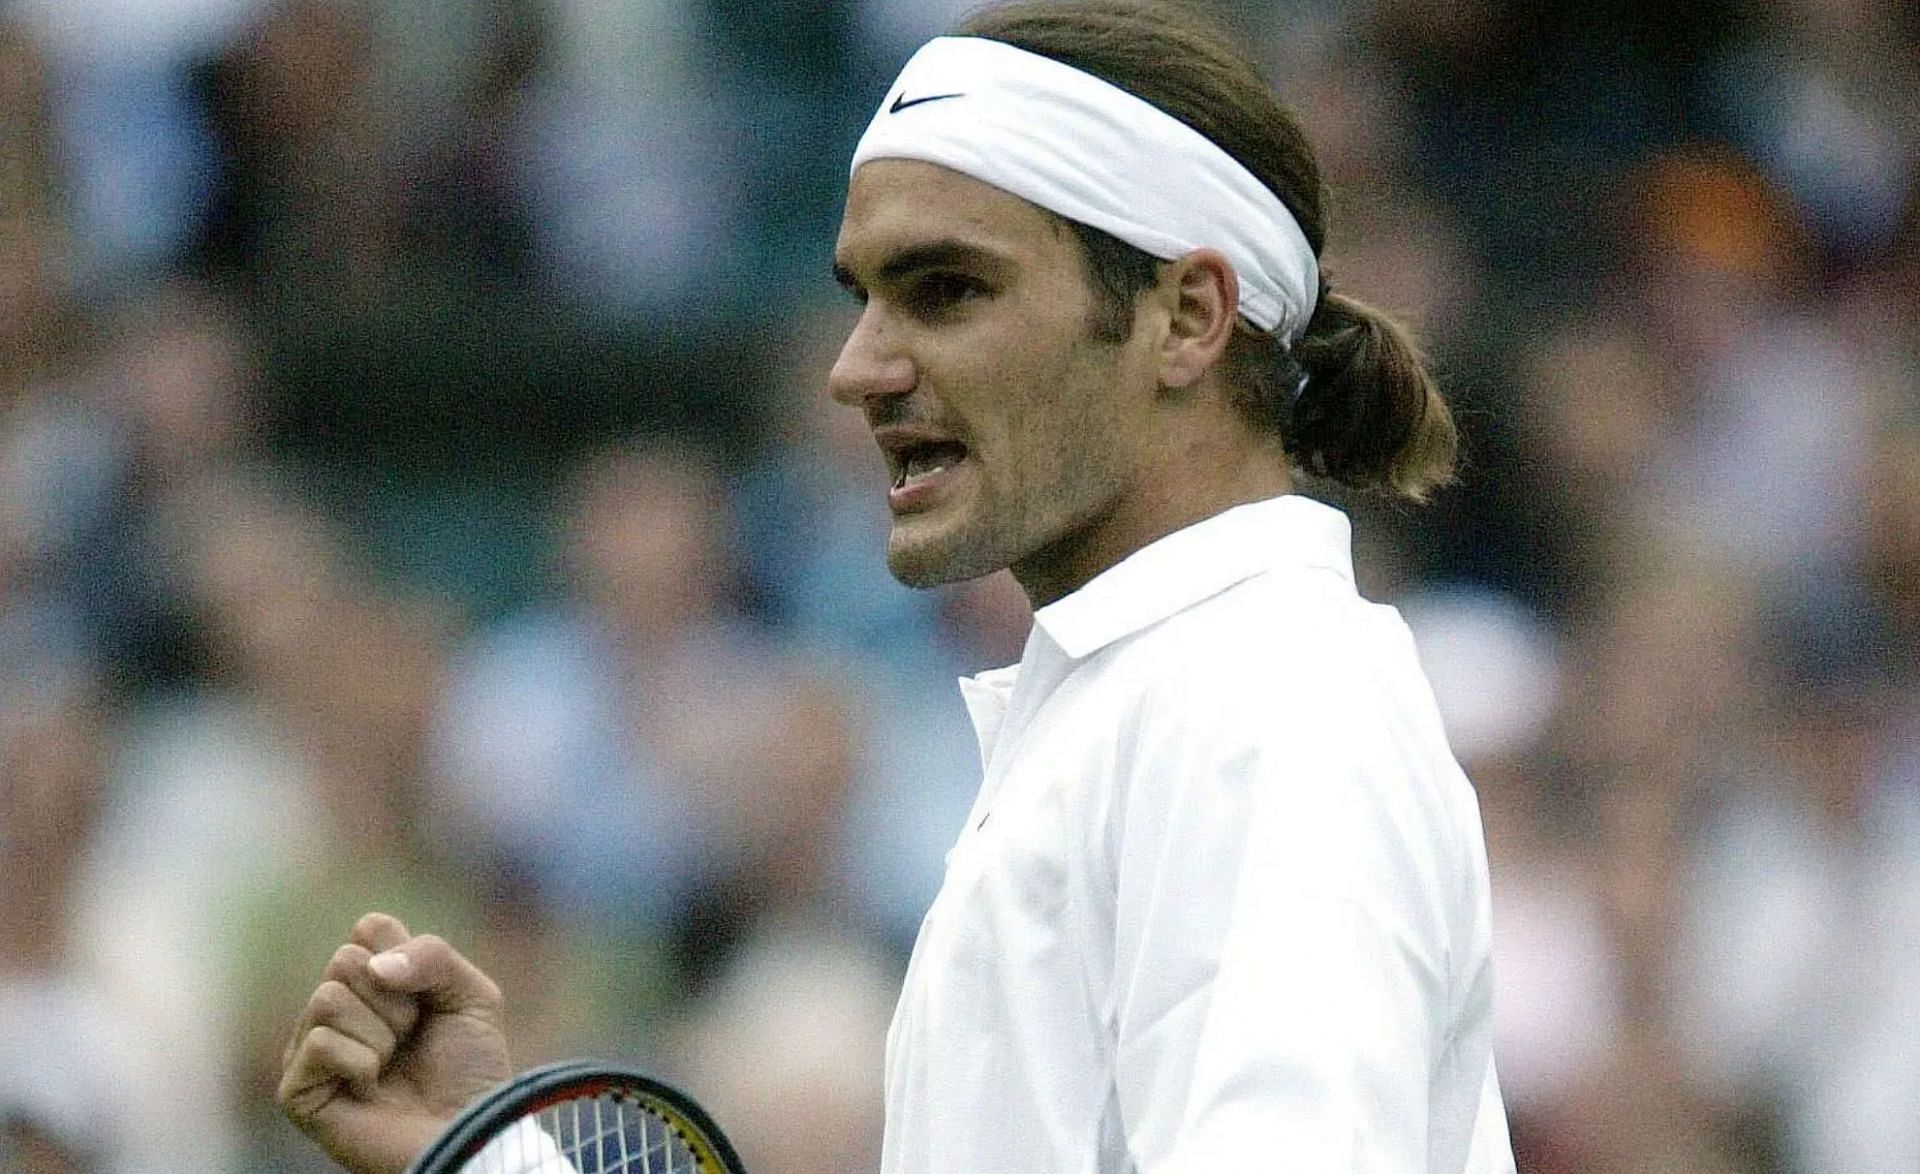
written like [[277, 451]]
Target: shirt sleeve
[[1281, 974], [1491, 1150], [523, 1149]]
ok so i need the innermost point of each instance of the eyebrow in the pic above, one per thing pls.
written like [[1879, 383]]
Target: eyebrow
[[940, 254]]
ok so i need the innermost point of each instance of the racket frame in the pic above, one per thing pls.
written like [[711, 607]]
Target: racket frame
[[552, 1084]]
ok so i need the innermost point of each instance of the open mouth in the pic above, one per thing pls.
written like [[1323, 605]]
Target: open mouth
[[920, 462]]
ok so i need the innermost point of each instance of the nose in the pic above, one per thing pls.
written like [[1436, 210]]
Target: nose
[[871, 364]]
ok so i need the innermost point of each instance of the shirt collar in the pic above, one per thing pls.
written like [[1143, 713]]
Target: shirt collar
[[1184, 568]]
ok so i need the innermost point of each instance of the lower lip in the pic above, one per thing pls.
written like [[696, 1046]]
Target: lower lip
[[923, 493]]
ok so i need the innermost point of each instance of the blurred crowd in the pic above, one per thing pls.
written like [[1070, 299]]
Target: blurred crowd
[[416, 494]]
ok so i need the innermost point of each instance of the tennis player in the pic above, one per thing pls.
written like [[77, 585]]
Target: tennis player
[[1222, 902]]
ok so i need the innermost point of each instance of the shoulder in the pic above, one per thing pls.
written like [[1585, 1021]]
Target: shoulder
[[1297, 693], [1299, 645]]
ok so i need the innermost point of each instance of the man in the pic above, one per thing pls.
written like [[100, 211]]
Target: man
[[1222, 901]]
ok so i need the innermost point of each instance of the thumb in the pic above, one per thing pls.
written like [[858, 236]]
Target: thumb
[[427, 967]]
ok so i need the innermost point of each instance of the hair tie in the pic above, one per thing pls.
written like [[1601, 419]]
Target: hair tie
[[1301, 378]]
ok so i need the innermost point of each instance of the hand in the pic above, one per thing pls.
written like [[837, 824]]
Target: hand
[[401, 1033]]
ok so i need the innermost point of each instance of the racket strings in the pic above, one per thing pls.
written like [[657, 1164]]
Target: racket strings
[[606, 1134]]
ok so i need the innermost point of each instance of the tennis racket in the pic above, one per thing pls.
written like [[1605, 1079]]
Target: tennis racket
[[583, 1117]]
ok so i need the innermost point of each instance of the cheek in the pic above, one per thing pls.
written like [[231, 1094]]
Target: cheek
[[1041, 401], [1064, 436]]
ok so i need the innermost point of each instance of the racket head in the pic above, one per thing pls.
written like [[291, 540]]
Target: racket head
[[604, 1118]]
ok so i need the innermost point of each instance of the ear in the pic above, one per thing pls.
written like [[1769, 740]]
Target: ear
[[1205, 301]]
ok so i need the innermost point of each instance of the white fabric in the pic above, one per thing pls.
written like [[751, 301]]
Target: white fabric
[[1222, 902], [1092, 152], [524, 1148]]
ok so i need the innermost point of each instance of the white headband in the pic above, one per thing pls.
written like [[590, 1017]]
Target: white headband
[[1092, 152]]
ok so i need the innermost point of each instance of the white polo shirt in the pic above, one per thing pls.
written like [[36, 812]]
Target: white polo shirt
[[1222, 902]]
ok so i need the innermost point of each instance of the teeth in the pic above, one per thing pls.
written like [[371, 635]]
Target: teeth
[[922, 462], [923, 466]]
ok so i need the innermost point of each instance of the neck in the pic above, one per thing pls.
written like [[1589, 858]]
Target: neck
[[1191, 479]]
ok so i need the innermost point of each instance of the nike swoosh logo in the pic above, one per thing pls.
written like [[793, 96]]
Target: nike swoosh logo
[[901, 103]]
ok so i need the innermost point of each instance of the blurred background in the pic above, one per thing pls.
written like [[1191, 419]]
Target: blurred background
[[416, 494]]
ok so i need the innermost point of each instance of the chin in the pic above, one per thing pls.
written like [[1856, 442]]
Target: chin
[[932, 560]]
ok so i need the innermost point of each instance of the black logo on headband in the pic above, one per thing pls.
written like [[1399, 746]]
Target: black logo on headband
[[901, 102]]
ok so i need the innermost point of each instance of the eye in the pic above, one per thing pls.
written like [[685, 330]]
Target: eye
[[939, 293], [844, 278]]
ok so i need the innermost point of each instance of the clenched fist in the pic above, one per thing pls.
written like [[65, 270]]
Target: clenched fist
[[401, 1033]]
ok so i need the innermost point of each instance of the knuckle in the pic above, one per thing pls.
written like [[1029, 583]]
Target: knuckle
[[298, 1077], [290, 1054], [330, 1000], [286, 1094], [324, 1044], [343, 1054], [348, 959], [377, 931]]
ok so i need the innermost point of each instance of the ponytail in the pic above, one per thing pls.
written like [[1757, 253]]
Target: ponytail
[[1352, 399], [1369, 415]]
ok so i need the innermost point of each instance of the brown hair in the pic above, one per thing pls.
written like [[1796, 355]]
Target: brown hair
[[1369, 414]]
